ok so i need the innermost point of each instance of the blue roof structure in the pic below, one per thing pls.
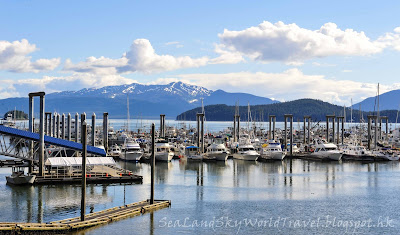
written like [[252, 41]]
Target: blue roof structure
[[50, 140]]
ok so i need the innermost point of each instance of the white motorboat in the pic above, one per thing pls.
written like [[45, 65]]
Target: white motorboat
[[131, 151], [272, 151], [216, 152], [19, 178], [246, 152], [386, 156], [356, 152], [115, 151], [295, 149], [193, 153], [163, 151], [327, 151]]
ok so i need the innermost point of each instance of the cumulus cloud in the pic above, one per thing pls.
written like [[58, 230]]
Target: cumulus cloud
[[14, 57], [140, 58], [289, 85], [292, 44], [226, 56], [391, 39]]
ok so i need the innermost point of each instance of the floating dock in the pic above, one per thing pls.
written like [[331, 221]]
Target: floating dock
[[91, 220]]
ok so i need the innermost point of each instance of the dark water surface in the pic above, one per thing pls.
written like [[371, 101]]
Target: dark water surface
[[236, 197]]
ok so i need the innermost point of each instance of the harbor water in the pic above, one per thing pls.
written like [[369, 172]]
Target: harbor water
[[234, 197]]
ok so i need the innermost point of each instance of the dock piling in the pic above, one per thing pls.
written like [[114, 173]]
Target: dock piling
[[63, 126], [58, 126], [69, 127], [41, 130], [162, 125], [153, 161], [77, 127], [54, 124], [84, 152], [93, 129], [105, 131]]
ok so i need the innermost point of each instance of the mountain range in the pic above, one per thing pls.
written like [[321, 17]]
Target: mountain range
[[149, 101], [146, 101], [317, 109], [387, 101]]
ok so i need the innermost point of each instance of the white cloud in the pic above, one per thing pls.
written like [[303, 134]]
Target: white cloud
[[18, 88], [323, 64], [140, 58], [289, 85], [226, 56], [14, 57], [391, 39], [175, 43], [347, 71], [291, 44], [101, 65]]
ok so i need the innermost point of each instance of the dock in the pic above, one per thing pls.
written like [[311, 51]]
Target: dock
[[93, 219], [12, 162]]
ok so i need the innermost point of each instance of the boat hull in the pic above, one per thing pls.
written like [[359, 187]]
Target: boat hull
[[273, 156], [131, 156], [335, 156], [27, 179], [246, 157], [217, 156], [165, 157]]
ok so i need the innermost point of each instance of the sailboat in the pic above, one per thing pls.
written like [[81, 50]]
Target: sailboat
[[245, 150]]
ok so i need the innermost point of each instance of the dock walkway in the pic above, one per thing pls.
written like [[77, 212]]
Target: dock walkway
[[92, 219]]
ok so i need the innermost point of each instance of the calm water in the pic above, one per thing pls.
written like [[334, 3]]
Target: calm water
[[236, 197], [210, 126]]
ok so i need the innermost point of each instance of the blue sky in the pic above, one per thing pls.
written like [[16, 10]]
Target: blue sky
[[334, 51]]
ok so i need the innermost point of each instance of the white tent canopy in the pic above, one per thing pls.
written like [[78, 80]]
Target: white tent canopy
[[77, 161]]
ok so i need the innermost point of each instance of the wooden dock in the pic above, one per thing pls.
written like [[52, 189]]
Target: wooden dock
[[90, 180], [91, 220]]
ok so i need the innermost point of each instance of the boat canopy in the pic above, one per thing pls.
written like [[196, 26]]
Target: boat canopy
[[77, 161], [192, 147]]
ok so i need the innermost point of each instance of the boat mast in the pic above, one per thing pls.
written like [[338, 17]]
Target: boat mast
[[127, 107], [360, 127], [395, 124], [351, 111]]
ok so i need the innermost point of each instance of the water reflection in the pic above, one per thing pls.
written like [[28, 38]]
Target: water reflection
[[191, 183]]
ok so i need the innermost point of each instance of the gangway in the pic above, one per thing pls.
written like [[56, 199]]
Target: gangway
[[15, 143]]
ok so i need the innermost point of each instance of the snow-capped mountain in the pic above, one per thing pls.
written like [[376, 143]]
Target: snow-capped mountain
[[145, 100], [187, 92]]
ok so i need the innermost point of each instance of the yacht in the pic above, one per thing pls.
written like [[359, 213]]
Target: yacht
[[216, 152], [327, 151], [163, 151], [357, 153], [131, 151], [193, 153], [246, 152], [272, 151], [115, 151]]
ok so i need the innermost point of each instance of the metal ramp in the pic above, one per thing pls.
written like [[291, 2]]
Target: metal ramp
[[16, 143]]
